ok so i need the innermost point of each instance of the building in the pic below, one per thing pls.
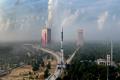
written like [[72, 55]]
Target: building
[[101, 61], [80, 37], [46, 36], [106, 62]]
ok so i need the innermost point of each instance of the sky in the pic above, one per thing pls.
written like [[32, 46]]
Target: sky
[[22, 20]]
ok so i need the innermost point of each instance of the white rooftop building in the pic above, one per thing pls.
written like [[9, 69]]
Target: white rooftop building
[[101, 61], [106, 62]]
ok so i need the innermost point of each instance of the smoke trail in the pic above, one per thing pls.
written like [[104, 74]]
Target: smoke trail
[[101, 20], [70, 19], [4, 25]]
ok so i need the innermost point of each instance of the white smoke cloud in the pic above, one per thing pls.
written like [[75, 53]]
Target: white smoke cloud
[[82, 10], [8, 25], [55, 4], [114, 17], [101, 20], [70, 19], [4, 25]]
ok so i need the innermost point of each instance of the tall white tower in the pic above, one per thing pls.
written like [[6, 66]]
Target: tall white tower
[[108, 60], [111, 52]]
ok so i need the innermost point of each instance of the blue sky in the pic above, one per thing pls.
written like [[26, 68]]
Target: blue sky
[[24, 19]]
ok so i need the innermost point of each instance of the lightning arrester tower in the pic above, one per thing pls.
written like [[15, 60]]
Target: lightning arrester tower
[[111, 53]]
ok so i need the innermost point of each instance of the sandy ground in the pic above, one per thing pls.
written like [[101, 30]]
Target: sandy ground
[[22, 73]]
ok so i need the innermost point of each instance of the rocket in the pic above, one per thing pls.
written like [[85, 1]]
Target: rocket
[[62, 38], [62, 46]]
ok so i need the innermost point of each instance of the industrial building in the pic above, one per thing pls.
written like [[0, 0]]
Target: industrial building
[[80, 37], [101, 61], [109, 61], [106, 62], [46, 36]]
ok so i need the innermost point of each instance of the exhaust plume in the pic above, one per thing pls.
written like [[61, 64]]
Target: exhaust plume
[[101, 20], [70, 19]]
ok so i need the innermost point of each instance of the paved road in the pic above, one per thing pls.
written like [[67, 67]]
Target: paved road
[[52, 53], [57, 72]]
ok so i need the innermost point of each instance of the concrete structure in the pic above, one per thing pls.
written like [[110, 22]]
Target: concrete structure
[[80, 37], [111, 53], [46, 36], [62, 51], [108, 60], [101, 61]]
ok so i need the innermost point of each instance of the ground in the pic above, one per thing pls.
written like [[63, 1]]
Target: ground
[[26, 73]]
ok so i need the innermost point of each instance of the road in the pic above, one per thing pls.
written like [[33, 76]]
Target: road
[[57, 72], [52, 53]]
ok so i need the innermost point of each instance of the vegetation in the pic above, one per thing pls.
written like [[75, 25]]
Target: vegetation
[[35, 67], [36, 63], [49, 65], [15, 54], [90, 71], [83, 66], [90, 51], [93, 51], [46, 73]]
